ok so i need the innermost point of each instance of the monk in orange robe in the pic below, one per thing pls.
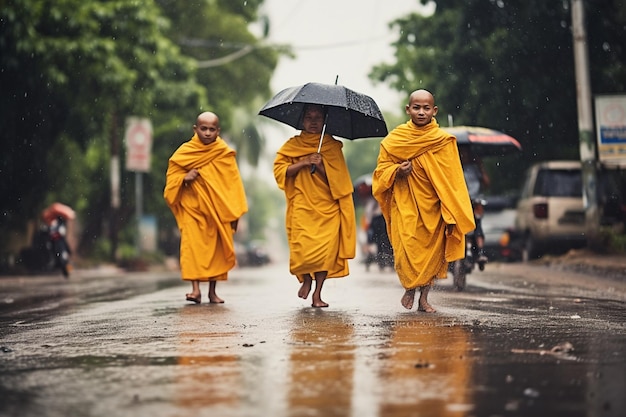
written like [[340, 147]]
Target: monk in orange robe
[[206, 195], [320, 218], [419, 184]]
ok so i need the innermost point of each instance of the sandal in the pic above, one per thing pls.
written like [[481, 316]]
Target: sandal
[[193, 299]]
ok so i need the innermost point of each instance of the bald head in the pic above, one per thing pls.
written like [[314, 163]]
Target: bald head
[[207, 116], [422, 95], [421, 107], [207, 127]]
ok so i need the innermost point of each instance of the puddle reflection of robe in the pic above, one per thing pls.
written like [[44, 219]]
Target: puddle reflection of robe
[[209, 373], [425, 370], [321, 364]]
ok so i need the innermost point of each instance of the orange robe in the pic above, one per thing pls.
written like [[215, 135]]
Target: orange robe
[[320, 218], [417, 208], [205, 208]]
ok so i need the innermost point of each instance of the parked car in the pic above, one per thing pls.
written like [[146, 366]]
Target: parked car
[[499, 217], [550, 216]]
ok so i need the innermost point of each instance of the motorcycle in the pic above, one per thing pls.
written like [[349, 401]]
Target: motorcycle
[[461, 267], [57, 245], [377, 235]]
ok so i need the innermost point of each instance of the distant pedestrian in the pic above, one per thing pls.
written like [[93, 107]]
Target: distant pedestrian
[[320, 218], [206, 195], [419, 184]]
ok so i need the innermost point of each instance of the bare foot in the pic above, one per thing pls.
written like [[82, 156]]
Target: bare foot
[[426, 308], [305, 289], [408, 298], [215, 300]]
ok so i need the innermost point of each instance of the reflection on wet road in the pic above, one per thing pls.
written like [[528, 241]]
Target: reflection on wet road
[[321, 364], [424, 369], [209, 374], [511, 345]]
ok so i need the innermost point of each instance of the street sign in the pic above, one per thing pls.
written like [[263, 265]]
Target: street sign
[[611, 129], [138, 141]]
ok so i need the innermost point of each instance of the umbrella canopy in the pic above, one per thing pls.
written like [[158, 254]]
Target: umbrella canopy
[[484, 141], [350, 114], [55, 210]]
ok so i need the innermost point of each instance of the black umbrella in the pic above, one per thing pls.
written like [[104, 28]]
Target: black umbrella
[[484, 141], [349, 114]]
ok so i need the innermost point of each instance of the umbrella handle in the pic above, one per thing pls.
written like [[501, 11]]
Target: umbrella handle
[[319, 148]]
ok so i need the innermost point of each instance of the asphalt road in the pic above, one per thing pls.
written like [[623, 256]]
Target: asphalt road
[[522, 340]]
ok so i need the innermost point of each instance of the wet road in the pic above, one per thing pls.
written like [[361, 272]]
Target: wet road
[[520, 341]]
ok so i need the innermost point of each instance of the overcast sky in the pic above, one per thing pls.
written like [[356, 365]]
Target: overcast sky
[[344, 38]]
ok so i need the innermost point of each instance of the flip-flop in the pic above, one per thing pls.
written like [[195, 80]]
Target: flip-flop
[[193, 299]]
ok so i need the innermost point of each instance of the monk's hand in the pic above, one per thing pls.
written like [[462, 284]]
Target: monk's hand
[[449, 229], [191, 176], [405, 169], [234, 225], [315, 159]]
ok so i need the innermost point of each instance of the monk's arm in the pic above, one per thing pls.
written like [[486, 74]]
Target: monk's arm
[[173, 182], [306, 162], [385, 172]]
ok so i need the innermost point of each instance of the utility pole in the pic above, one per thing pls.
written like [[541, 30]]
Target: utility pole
[[115, 187], [585, 123]]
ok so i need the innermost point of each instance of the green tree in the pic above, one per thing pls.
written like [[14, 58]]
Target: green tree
[[72, 70], [361, 154], [67, 66], [235, 66], [509, 66]]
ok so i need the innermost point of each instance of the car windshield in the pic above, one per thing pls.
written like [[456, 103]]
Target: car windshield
[[559, 183]]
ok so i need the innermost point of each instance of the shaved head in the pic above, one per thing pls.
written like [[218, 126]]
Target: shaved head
[[207, 117], [207, 127], [421, 107], [422, 95]]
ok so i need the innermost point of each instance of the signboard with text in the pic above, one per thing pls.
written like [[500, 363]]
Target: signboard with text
[[138, 141], [611, 128]]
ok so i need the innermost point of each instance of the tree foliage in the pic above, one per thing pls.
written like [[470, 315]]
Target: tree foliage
[[509, 65], [71, 71]]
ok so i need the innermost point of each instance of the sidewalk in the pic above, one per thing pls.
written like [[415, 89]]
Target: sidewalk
[[586, 261]]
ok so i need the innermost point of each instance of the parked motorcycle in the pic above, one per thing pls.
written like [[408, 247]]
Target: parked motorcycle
[[57, 245], [50, 249]]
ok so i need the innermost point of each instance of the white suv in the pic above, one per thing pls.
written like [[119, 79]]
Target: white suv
[[550, 214]]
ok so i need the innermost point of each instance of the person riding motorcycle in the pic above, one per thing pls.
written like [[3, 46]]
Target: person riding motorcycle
[[476, 179]]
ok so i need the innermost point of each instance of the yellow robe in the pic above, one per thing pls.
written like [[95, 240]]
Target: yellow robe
[[320, 218], [417, 208], [205, 208]]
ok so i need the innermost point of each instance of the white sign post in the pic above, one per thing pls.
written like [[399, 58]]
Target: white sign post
[[138, 140], [611, 129]]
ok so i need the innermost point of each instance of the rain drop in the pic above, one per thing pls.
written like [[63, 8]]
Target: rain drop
[[531, 392]]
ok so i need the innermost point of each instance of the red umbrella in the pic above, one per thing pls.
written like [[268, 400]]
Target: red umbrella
[[55, 210], [484, 141]]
